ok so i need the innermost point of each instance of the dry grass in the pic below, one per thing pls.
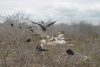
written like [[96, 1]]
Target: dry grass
[[16, 52], [22, 54]]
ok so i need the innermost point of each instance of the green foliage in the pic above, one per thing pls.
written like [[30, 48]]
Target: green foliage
[[95, 35], [92, 59], [98, 59], [5, 52], [76, 46], [36, 34], [62, 32], [81, 38], [78, 64], [81, 64], [1, 40], [40, 38]]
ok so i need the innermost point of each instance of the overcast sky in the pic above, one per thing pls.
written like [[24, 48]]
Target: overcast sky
[[70, 10]]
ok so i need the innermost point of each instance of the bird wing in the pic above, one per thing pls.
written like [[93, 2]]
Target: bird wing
[[50, 24], [12, 24], [38, 24], [53, 22], [44, 50]]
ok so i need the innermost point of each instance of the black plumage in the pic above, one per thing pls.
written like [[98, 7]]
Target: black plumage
[[69, 52], [44, 28], [38, 48], [30, 27], [28, 40], [20, 27], [12, 24], [31, 30]]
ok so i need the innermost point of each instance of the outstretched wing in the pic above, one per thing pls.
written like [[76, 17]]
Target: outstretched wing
[[43, 28], [53, 22], [50, 24]]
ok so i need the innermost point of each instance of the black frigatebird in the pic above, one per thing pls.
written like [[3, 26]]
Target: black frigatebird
[[20, 27], [31, 30], [38, 48], [12, 24], [44, 28], [28, 40], [69, 52]]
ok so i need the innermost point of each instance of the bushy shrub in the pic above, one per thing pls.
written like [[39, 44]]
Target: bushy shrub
[[1, 40]]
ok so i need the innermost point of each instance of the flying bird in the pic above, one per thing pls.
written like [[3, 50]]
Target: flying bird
[[12, 24], [69, 52], [44, 28], [28, 40]]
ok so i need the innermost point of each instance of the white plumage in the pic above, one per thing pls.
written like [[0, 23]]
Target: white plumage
[[43, 41], [54, 40], [41, 45]]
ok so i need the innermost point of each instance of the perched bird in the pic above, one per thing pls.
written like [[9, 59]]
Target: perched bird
[[38, 48], [31, 30], [41, 45], [20, 27], [28, 40], [12, 24], [69, 52], [44, 28], [30, 27]]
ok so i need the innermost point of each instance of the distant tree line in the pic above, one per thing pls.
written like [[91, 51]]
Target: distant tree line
[[70, 30]]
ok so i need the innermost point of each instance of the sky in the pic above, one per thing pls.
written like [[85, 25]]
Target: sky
[[42, 10]]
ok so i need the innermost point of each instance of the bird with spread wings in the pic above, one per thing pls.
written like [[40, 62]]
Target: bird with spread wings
[[44, 28]]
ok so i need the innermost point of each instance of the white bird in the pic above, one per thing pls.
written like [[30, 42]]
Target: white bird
[[48, 37], [63, 38], [60, 35], [52, 43], [52, 38], [41, 45], [43, 41], [56, 38], [62, 42]]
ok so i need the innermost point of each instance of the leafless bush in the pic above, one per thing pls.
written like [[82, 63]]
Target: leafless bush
[[16, 52]]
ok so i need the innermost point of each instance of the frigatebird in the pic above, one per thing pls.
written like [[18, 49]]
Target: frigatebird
[[38, 48], [12, 24], [30, 27], [20, 27], [44, 28], [69, 52], [31, 30], [28, 40]]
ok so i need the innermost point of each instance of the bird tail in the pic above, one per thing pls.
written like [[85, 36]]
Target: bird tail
[[44, 50]]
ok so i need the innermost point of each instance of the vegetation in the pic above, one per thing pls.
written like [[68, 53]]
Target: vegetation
[[15, 52]]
